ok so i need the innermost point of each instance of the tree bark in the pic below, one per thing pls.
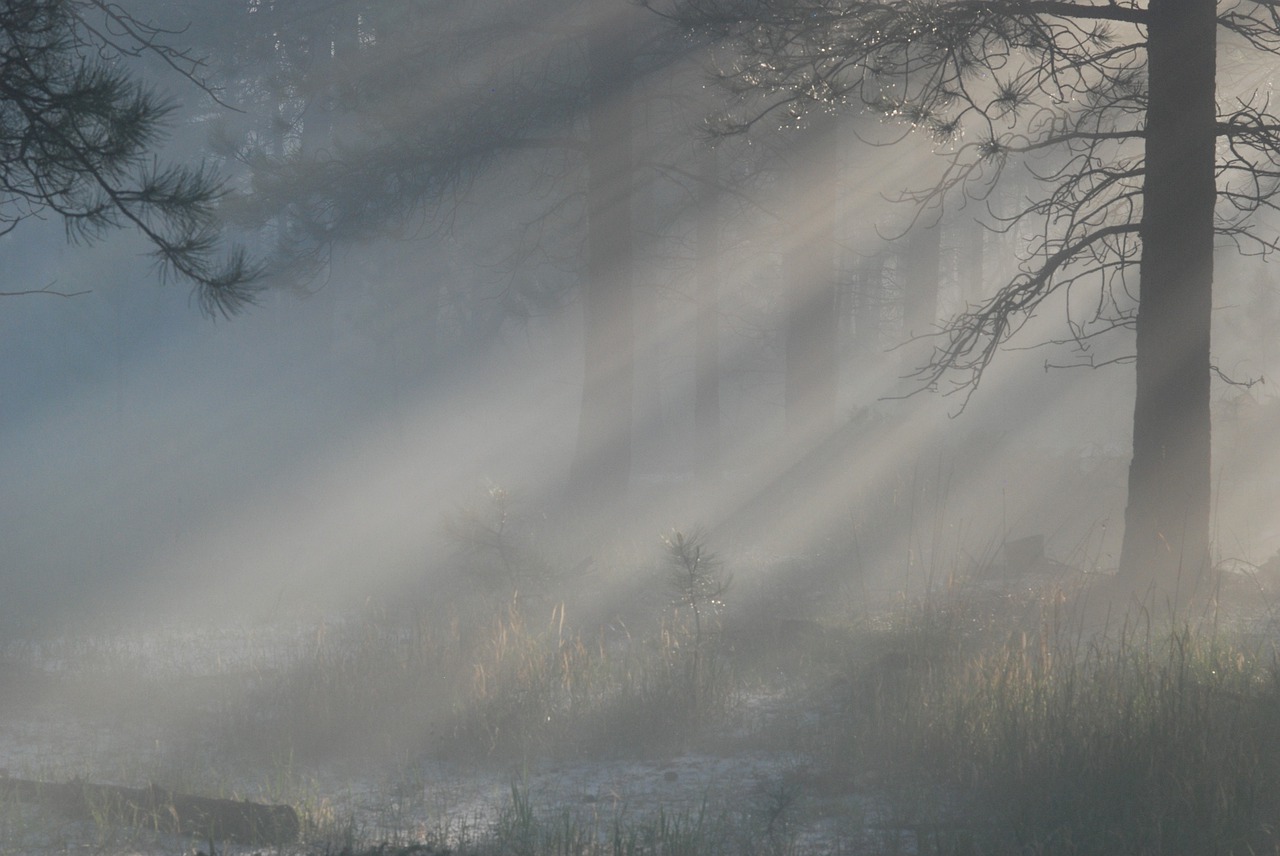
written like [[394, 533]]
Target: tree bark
[[602, 461], [1166, 538], [812, 350]]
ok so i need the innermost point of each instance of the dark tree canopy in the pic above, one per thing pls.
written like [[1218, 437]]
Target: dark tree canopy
[[77, 135]]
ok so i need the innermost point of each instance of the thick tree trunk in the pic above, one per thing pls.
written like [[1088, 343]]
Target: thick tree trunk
[[602, 460], [1166, 538], [812, 350], [706, 392]]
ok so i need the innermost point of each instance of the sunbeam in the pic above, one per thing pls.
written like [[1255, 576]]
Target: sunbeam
[[638, 427]]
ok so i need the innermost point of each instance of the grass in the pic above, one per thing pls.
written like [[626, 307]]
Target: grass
[[522, 829], [968, 721], [519, 688], [1160, 745], [1150, 740]]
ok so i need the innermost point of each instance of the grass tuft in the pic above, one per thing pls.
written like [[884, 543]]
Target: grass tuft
[[1038, 741]]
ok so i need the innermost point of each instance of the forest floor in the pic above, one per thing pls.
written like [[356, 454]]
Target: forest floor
[[131, 711], [181, 708], [348, 803]]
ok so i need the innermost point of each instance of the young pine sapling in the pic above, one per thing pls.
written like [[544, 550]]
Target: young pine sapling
[[699, 585]]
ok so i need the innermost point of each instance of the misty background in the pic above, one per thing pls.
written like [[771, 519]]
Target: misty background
[[308, 454]]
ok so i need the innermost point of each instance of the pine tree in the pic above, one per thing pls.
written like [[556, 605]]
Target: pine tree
[[1112, 106], [77, 134]]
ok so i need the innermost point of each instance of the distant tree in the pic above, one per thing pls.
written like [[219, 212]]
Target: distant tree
[[1112, 105], [559, 103], [707, 275], [919, 266], [77, 137], [811, 349], [601, 468]]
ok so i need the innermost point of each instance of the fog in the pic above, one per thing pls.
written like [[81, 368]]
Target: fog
[[311, 450], [393, 430]]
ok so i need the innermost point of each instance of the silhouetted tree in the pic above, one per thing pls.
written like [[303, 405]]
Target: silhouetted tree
[[1112, 104], [77, 136]]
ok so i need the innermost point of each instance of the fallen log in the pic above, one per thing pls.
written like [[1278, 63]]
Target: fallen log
[[154, 807]]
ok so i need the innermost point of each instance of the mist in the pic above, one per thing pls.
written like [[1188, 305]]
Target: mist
[[594, 441]]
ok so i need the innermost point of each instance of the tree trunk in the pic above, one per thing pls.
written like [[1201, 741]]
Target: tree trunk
[[1166, 538], [920, 267], [706, 392], [868, 298], [651, 445], [602, 459], [812, 350], [973, 284]]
